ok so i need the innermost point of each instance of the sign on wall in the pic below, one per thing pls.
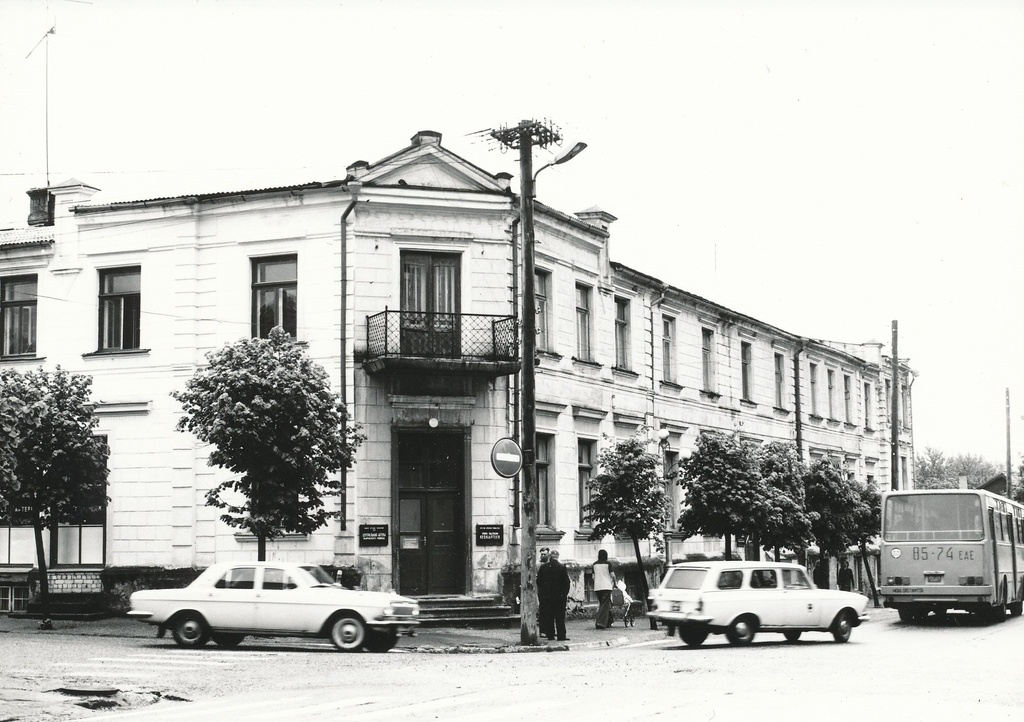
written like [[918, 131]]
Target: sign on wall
[[490, 535], [373, 535]]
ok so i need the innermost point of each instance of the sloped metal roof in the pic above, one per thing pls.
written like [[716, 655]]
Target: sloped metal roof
[[31, 236]]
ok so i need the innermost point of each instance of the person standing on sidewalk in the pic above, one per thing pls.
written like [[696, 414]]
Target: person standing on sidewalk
[[552, 593], [604, 582], [845, 577]]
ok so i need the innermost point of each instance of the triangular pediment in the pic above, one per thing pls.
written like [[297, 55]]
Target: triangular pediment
[[427, 164]]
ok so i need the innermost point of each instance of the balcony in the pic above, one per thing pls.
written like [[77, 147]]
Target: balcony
[[447, 343]]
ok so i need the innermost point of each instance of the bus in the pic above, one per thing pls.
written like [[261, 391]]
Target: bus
[[952, 549]]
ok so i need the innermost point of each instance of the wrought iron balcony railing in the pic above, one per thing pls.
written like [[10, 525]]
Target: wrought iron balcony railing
[[469, 336]]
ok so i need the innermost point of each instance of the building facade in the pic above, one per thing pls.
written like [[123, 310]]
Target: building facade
[[403, 281]]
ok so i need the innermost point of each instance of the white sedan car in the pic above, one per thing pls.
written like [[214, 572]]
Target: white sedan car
[[739, 599], [228, 602]]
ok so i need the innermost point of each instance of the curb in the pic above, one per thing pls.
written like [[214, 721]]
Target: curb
[[513, 648]]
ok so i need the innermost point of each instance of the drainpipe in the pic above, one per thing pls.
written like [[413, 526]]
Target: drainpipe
[[354, 189], [516, 521], [796, 399]]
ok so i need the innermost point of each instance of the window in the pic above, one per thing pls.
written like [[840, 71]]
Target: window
[[120, 308], [868, 406], [545, 494], [83, 542], [847, 399], [14, 599], [746, 352], [542, 289], [237, 578], [795, 579], [274, 295], [583, 322], [585, 467], [905, 405], [780, 380], [763, 579], [622, 333], [672, 490], [18, 299], [831, 376], [430, 305], [813, 373], [668, 348], [707, 337], [888, 396], [732, 579], [276, 579]]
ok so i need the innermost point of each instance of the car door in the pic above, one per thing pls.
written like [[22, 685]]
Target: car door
[[231, 602], [279, 606], [801, 602], [766, 596]]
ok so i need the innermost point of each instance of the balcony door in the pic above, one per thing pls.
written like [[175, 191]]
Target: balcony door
[[430, 484], [430, 304]]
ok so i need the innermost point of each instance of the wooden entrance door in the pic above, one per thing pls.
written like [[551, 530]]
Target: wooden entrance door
[[431, 537]]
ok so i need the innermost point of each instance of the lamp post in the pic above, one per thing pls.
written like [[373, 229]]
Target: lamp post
[[524, 136]]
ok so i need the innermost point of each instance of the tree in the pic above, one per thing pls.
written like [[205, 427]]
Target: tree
[[930, 471], [60, 465], [628, 499], [787, 524], [867, 524], [723, 488], [975, 468], [831, 505], [268, 411]]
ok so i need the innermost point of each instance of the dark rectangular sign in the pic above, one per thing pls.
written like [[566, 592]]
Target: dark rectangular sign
[[373, 535], [490, 535]]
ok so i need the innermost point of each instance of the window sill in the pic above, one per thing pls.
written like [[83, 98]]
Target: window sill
[[671, 385], [583, 533], [705, 394], [547, 533], [25, 359], [781, 410], [246, 538], [815, 417], [619, 371], [582, 362], [848, 425], [549, 354], [748, 403], [117, 352]]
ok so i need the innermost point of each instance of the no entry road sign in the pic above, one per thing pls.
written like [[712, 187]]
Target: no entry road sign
[[506, 457]]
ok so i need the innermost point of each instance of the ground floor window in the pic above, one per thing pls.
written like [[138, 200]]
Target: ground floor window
[[13, 598]]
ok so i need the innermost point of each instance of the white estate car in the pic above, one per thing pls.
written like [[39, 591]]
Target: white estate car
[[227, 602], [739, 599]]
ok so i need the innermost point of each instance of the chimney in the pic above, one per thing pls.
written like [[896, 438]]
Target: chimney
[[426, 137], [504, 180], [40, 208], [597, 217]]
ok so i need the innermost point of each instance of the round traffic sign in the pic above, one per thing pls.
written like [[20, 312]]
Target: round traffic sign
[[506, 457]]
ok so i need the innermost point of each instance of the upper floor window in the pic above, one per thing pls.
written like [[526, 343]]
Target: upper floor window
[[583, 351], [275, 299], [847, 399], [905, 405], [831, 376], [746, 363], [780, 380], [668, 348], [18, 297], [622, 333], [545, 492], [120, 308], [813, 373], [707, 342], [868, 406], [542, 291]]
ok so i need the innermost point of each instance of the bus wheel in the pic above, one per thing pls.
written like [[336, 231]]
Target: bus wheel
[[907, 615], [1016, 608]]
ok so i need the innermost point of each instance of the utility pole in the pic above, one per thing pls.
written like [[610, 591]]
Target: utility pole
[[894, 430], [1009, 462], [524, 137]]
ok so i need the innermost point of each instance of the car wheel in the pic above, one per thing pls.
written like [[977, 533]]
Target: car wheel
[[906, 615], [380, 641], [348, 632], [227, 640], [189, 630], [791, 636], [742, 631], [843, 626], [693, 637]]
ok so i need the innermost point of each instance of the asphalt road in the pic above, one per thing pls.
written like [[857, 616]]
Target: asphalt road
[[956, 669]]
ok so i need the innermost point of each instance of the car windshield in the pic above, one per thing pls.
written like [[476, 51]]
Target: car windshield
[[318, 573], [685, 578]]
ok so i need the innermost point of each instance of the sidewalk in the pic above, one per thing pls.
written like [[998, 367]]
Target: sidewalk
[[433, 640]]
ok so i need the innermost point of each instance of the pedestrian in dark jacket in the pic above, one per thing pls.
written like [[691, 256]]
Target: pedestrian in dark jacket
[[552, 592], [845, 578]]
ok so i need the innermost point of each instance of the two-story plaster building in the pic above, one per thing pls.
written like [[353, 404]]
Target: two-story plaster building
[[403, 281]]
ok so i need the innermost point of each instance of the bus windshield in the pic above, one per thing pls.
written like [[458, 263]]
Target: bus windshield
[[926, 517]]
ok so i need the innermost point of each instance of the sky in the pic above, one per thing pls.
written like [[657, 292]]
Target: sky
[[825, 167]]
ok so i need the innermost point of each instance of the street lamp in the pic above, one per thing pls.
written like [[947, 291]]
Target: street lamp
[[564, 158]]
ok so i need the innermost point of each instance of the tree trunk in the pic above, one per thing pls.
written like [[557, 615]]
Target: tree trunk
[[44, 582], [728, 547], [261, 548], [867, 568], [644, 589]]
